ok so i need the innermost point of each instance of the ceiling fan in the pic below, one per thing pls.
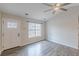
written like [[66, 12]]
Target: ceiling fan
[[56, 7]]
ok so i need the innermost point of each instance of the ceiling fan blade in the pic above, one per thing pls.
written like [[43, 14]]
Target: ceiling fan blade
[[63, 9], [47, 4], [48, 10], [66, 4]]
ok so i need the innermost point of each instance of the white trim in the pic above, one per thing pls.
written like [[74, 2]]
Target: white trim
[[63, 43], [0, 53]]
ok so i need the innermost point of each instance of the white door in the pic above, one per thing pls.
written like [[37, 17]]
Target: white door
[[11, 32]]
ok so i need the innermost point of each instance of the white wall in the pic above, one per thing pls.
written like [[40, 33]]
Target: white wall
[[63, 28], [24, 29]]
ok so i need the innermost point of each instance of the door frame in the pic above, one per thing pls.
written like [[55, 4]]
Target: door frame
[[14, 17]]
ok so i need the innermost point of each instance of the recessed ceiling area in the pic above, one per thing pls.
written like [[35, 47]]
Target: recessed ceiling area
[[34, 10]]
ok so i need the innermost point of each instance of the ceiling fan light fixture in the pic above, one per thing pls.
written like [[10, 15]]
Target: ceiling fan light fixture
[[58, 4], [56, 8]]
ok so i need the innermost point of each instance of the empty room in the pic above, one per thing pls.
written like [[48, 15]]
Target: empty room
[[39, 29]]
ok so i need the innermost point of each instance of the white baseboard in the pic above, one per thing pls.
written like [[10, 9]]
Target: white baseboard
[[64, 43]]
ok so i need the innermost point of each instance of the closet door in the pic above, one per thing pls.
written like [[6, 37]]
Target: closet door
[[11, 32]]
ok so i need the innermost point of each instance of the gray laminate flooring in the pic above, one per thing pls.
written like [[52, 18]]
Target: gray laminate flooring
[[42, 48]]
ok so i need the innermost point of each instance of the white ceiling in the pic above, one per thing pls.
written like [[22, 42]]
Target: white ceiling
[[35, 10]]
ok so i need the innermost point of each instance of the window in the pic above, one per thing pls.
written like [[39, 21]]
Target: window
[[34, 30], [12, 25], [38, 29]]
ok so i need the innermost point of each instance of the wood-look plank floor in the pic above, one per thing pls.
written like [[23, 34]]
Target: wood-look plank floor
[[42, 48]]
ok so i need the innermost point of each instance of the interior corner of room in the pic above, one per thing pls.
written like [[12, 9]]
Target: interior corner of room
[[19, 29]]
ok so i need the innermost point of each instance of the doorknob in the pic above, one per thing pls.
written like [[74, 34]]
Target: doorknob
[[18, 34]]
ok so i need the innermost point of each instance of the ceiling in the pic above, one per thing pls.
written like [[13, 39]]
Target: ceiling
[[35, 10]]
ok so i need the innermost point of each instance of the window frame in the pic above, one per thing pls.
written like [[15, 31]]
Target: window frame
[[35, 29]]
